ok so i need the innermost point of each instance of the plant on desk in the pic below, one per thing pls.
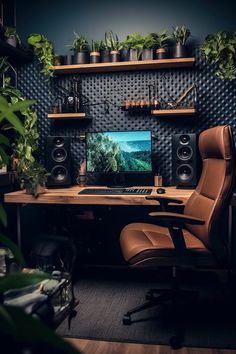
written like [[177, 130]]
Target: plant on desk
[[20, 332]]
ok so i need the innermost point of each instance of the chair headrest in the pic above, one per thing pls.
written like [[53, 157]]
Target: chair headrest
[[216, 143]]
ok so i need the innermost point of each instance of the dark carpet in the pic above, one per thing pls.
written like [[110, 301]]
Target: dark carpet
[[209, 321]]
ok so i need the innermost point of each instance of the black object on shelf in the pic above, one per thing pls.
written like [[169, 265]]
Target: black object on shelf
[[15, 55]]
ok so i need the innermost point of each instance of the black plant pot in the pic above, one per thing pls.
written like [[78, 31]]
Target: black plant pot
[[94, 57], [81, 58], [179, 51], [115, 56], [133, 55], [68, 59], [124, 54], [58, 60], [147, 54], [105, 56], [161, 53]]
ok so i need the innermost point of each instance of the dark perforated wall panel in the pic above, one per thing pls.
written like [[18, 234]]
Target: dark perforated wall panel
[[216, 104]]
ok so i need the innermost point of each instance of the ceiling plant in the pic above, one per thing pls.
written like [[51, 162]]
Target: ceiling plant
[[160, 43], [220, 50], [80, 47], [43, 49], [180, 35]]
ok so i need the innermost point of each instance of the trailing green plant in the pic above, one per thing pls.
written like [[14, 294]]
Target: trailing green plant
[[79, 44], [220, 50], [160, 39], [112, 41], [96, 46], [20, 332], [43, 49], [10, 32], [26, 143], [181, 34]]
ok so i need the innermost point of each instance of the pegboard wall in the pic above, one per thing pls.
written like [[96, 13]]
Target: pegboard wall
[[216, 105]]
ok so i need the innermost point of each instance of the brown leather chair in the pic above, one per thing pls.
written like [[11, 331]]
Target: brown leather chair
[[192, 238]]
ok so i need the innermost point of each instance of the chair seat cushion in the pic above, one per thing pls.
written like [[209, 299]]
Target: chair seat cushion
[[143, 243]]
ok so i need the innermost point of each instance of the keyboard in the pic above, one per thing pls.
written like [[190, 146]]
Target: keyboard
[[112, 191]]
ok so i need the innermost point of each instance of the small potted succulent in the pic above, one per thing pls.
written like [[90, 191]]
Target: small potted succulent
[[160, 43], [105, 51], [180, 35], [11, 36], [95, 52], [80, 48], [134, 43], [148, 45], [114, 46]]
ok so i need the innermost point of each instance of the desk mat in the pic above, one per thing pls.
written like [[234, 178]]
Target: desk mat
[[208, 323]]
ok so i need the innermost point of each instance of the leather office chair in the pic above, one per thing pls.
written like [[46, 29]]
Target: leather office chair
[[191, 238]]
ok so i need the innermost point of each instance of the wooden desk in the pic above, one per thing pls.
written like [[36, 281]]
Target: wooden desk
[[70, 196]]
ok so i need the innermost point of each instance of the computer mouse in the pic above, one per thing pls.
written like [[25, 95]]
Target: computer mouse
[[161, 190]]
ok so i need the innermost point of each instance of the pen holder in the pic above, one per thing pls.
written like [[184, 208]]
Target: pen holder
[[158, 181], [81, 180]]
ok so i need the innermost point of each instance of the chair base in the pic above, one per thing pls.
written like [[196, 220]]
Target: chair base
[[157, 297]]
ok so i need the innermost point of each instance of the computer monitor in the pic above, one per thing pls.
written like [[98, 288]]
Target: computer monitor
[[119, 152]]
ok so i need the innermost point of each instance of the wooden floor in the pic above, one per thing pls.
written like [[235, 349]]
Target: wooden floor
[[100, 347]]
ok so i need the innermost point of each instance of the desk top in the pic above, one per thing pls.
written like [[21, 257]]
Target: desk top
[[70, 196]]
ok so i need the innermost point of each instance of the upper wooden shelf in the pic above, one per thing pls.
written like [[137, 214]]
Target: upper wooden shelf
[[15, 55], [125, 66]]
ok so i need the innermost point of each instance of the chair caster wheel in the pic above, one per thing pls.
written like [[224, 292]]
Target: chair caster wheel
[[149, 296], [175, 342], [126, 320]]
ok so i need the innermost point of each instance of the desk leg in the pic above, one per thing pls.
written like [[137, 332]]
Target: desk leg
[[18, 225]]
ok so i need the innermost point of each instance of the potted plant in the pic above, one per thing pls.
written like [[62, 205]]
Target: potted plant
[[80, 48], [180, 35], [95, 52], [114, 46], [43, 49], [160, 43], [134, 43], [11, 36], [105, 51], [148, 45], [219, 49]]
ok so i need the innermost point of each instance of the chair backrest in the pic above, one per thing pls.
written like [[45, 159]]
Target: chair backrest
[[215, 187]]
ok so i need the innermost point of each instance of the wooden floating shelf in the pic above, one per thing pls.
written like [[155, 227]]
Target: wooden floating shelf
[[15, 55], [67, 115], [174, 112], [125, 66]]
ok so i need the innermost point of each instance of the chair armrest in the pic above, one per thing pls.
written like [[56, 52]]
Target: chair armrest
[[176, 218], [165, 201]]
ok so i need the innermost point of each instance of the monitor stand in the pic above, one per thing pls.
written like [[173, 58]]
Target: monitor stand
[[119, 181]]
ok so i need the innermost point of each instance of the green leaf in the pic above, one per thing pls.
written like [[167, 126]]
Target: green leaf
[[3, 215], [26, 329], [4, 158], [13, 248], [4, 140], [21, 280]]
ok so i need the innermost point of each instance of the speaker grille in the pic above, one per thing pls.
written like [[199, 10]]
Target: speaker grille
[[58, 161], [184, 160]]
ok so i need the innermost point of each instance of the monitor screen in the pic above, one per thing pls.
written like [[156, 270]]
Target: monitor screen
[[119, 151]]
